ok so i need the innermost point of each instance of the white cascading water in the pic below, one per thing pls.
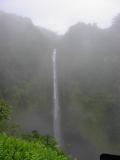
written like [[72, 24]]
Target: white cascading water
[[56, 111]]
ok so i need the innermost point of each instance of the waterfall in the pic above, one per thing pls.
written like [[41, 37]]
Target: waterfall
[[56, 109]]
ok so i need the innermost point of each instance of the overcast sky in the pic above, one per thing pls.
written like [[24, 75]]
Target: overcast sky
[[59, 15]]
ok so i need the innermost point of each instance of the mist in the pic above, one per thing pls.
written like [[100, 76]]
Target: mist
[[84, 83], [59, 15]]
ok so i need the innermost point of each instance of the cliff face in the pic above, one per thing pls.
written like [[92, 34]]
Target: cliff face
[[88, 65], [88, 71], [26, 71]]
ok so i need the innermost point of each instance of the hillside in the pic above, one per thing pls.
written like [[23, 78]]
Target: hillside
[[88, 70], [26, 71], [88, 66]]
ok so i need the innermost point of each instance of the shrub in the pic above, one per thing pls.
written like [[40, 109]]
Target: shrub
[[5, 110], [12, 148]]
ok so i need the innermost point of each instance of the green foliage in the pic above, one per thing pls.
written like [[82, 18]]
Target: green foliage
[[5, 110], [18, 149], [7, 125], [45, 139], [10, 127], [89, 85]]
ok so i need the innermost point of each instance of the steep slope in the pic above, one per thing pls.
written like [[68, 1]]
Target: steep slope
[[26, 71], [88, 65], [88, 69]]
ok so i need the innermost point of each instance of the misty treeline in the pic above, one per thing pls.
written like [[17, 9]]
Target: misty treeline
[[88, 70]]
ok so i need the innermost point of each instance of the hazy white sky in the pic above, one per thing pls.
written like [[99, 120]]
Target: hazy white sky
[[58, 15]]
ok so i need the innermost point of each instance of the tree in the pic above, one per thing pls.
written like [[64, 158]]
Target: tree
[[116, 22], [5, 110]]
